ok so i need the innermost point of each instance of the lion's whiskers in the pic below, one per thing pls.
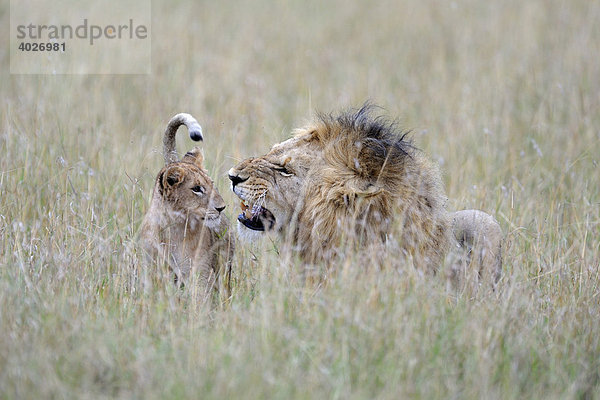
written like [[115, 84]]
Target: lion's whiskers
[[259, 203]]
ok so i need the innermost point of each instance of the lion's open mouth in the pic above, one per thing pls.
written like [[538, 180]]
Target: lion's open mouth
[[256, 217]]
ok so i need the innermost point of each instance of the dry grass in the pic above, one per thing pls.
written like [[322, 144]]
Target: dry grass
[[505, 95]]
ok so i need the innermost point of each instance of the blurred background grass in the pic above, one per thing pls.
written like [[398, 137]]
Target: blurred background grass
[[505, 95]]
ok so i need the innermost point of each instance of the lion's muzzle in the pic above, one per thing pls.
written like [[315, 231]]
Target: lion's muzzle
[[253, 216]]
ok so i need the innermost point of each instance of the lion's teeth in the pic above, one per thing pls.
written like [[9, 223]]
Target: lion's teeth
[[249, 210]]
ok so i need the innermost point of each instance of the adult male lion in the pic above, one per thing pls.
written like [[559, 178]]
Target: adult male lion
[[355, 180]]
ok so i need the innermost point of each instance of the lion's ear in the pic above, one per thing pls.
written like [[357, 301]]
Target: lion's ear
[[172, 177], [366, 191], [194, 156]]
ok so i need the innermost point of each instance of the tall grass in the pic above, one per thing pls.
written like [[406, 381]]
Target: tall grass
[[504, 95]]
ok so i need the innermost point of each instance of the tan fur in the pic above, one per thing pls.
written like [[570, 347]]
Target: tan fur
[[350, 180], [184, 226]]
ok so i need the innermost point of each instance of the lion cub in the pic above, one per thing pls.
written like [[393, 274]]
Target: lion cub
[[185, 227]]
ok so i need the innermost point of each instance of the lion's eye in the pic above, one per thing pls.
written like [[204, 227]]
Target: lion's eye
[[283, 171], [198, 189]]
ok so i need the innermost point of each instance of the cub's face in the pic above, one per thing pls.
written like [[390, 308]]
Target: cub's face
[[272, 186], [187, 191]]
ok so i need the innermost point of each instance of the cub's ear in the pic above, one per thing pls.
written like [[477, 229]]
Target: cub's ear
[[194, 156], [172, 177]]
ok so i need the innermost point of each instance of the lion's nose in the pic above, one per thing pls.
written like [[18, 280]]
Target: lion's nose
[[219, 209], [235, 179]]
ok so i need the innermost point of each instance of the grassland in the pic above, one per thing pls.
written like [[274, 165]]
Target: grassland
[[505, 95]]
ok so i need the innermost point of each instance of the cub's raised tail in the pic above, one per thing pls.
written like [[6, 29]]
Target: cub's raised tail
[[194, 129]]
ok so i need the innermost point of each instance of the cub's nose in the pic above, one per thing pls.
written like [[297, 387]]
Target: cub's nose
[[219, 209], [235, 179]]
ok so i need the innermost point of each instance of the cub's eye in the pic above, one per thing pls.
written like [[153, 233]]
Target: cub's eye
[[198, 189], [283, 171]]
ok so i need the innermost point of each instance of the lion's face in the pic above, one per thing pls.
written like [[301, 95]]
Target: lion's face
[[189, 193], [272, 186]]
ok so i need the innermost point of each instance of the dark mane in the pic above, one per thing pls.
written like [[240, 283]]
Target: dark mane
[[373, 146]]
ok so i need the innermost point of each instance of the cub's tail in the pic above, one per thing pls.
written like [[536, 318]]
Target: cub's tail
[[194, 128]]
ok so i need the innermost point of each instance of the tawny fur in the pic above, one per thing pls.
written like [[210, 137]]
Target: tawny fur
[[184, 226], [351, 180]]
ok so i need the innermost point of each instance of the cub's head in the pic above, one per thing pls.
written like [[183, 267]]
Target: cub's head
[[187, 191]]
